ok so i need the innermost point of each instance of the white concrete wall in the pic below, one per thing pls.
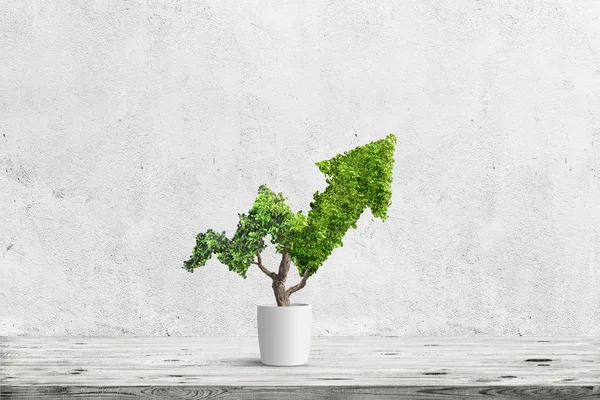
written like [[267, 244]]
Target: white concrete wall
[[126, 127]]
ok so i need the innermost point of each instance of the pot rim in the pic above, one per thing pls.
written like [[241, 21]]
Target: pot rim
[[292, 305]]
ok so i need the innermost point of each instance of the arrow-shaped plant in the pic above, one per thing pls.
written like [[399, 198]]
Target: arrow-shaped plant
[[357, 179]]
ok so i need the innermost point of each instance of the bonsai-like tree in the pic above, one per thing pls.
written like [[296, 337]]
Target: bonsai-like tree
[[357, 179]]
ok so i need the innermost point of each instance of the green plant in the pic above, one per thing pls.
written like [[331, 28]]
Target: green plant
[[357, 179]]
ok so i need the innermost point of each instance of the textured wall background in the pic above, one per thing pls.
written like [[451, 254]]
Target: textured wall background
[[126, 127]]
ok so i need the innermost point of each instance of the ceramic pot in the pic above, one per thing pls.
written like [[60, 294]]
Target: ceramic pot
[[284, 334]]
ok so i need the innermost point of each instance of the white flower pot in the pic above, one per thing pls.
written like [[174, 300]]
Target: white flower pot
[[284, 334]]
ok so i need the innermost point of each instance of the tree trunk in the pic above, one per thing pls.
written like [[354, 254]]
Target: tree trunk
[[281, 295]]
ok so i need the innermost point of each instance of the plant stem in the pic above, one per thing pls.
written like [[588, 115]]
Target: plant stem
[[282, 294]]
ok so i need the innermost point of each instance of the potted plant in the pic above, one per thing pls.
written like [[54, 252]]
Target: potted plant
[[357, 179]]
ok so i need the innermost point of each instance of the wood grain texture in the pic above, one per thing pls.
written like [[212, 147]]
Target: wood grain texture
[[339, 367], [295, 392]]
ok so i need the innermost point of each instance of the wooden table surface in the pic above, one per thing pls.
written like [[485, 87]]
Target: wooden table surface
[[339, 368]]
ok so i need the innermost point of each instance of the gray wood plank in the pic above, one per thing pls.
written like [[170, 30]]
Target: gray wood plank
[[312, 393], [367, 367]]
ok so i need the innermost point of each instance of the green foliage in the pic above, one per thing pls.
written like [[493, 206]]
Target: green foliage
[[357, 179], [270, 215]]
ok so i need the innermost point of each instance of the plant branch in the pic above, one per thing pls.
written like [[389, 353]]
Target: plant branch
[[298, 285], [270, 274]]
